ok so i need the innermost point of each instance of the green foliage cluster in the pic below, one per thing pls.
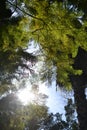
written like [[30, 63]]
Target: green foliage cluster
[[15, 116], [14, 36], [10, 121], [55, 121], [60, 33], [23, 117], [14, 40], [57, 26]]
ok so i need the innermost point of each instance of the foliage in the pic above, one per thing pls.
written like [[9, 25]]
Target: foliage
[[70, 114], [55, 121], [10, 121], [14, 40], [59, 27], [34, 113], [15, 116], [60, 33], [13, 66], [19, 116]]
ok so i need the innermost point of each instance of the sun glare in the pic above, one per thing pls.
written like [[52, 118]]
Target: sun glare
[[25, 96]]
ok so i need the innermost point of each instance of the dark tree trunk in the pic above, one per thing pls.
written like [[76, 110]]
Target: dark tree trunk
[[81, 104], [79, 84], [80, 100]]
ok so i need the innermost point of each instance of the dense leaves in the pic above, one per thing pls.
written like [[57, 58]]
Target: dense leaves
[[15, 116], [60, 27], [56, 25], [56, 121], [14, 41], [60, 34]]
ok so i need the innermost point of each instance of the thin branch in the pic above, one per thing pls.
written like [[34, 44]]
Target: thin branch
[[26, 12], [38, 29], [15, 6]]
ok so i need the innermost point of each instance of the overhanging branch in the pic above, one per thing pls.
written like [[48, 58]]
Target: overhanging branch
[[27, 13]]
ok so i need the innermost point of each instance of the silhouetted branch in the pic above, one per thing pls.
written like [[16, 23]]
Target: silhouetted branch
[[26, 12]]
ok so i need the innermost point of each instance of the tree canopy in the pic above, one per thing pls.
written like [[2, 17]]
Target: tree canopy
[[60, 32], [60, 28]]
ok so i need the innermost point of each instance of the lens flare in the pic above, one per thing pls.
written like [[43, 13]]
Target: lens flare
[[25, 96]]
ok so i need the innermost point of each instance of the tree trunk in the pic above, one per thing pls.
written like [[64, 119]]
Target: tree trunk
[[80, 100]]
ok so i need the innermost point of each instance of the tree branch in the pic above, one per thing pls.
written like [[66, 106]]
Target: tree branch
[[30, 15]]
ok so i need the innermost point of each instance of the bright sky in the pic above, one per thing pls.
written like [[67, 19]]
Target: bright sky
[[56, 99]]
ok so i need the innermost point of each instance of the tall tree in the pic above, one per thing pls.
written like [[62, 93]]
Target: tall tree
[[61, 30], [56, 122], [62, 34], [14, 40]]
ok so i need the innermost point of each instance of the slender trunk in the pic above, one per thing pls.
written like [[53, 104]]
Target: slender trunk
[[81, 104], [80, 100]]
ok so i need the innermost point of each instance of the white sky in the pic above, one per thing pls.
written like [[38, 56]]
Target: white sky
[[56, 99]]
